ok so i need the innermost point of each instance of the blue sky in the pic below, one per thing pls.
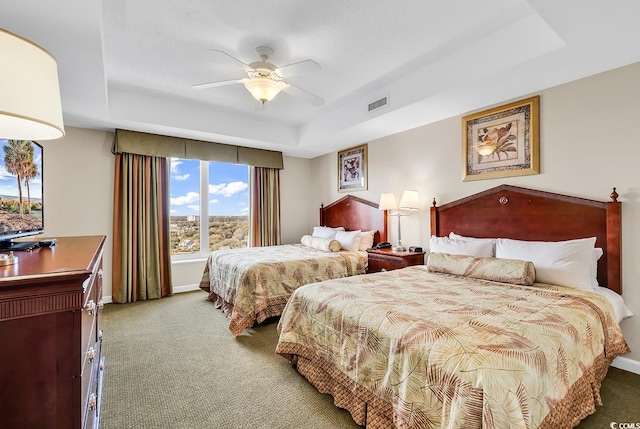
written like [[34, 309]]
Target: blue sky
[[9, 183], [228, 188]]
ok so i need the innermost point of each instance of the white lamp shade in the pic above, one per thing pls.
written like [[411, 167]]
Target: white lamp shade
[[30, 106], [409, 200], [387, 201], [262, 88]]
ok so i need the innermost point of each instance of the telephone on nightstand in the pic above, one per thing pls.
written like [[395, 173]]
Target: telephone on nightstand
[[382, 245]]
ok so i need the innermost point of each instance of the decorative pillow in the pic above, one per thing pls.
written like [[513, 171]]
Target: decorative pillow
[[320, 243], [349, 240], [325, 231], [563, 263], [366, 240], [498, 270], [455, 236], [482, 249]]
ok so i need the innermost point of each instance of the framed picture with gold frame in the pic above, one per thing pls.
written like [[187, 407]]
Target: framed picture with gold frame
[[352, 169], [502, 142]]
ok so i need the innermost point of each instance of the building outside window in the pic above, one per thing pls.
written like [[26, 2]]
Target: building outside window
[[209, 203]]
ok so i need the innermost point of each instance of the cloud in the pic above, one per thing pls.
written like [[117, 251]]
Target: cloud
[[214, 201], [175, 163], [191, 197], [194, 207], [227, 190], [183, 177], [5, 175]]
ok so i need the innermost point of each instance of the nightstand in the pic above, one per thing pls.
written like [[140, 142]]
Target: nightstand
[[387, 259]]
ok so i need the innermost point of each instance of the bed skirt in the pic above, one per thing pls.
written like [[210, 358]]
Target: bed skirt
[[368, 410]]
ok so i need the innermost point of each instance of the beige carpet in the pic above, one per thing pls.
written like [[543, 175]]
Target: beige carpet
[[172, 363]]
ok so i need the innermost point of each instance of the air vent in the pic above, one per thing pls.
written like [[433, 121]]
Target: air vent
[[378, 103]]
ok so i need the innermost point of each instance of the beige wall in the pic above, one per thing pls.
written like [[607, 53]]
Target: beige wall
[[78, 188], [587, 146]]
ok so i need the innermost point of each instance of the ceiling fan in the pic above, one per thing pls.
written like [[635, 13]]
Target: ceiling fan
[[265, 80]]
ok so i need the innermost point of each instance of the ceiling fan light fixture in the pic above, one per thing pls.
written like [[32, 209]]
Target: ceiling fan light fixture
[[263, 89]]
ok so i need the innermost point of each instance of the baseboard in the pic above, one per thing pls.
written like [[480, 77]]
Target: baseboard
[[626, 364], [186, 288], [178, 289]]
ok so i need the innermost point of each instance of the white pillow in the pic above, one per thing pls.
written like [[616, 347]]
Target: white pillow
[[320, 243], [349, 240], [563, 263], [596, 254], [325, 231], [478, 248], [621, 310], [366, 240], [455, 236]]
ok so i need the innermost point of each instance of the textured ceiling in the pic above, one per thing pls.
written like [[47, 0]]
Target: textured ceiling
[[131, 64]]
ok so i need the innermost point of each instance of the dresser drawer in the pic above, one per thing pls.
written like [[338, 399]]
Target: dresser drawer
[[92, 389], [92, 360]]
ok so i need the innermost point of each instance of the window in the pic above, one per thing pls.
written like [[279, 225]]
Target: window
[[220, 220]]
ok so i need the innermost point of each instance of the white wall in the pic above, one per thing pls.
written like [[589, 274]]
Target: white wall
[[587, 144]]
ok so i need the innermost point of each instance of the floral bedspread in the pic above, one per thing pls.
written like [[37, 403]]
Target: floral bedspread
[[253, 284], [438, 350]]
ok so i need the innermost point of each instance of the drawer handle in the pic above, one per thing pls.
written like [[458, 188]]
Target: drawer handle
[[100, 305], [93, 402], [91, 354], [100, 273], [100, 333], [90, 307]]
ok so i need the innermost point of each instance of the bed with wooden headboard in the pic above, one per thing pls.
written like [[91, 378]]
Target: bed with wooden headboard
[[355, 213], [526, 214], [467, 341], [253, 284]]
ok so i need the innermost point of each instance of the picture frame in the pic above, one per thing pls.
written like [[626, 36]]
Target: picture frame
[[352, 169], [503, 141]]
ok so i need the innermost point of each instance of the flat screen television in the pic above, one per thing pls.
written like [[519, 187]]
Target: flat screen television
[[21, 191]]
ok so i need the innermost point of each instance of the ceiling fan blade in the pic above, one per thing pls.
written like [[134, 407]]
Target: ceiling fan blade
[[219, 83], [237, 61], [295, 69], [301, 93]]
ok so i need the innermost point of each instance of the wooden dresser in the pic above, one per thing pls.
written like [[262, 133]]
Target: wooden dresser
[[387, 259], [51, 368]]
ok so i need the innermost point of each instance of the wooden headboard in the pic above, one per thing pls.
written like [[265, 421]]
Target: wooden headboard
[[525, 214], [354, 213]]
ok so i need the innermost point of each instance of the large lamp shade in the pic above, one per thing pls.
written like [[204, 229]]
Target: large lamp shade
[[30, 107], [409, 201], [387, 201]]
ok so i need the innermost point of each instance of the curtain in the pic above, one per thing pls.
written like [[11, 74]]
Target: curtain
[[265, 206], [141, 256]]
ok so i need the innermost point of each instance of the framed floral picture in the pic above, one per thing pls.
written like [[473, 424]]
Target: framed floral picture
[[502, 142], [352, 169]]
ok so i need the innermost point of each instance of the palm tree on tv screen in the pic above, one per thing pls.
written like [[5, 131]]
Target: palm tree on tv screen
[[18, 160]]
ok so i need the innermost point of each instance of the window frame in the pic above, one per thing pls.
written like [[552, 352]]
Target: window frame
[[204, 215]]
